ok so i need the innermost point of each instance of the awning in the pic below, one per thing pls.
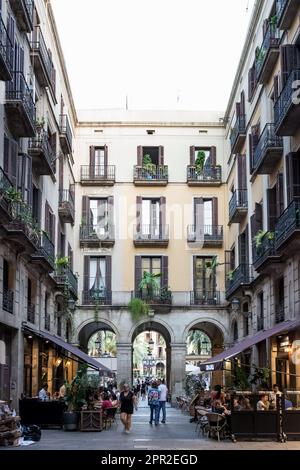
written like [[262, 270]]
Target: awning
[[82, 356], [216, 362]]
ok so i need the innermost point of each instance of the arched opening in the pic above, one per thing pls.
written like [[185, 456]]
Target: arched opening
[[99, 340], [235, 332], [151, 352]]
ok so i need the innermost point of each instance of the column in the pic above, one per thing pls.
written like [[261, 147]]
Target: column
[[178, 357], [17, 367], [124, 362]]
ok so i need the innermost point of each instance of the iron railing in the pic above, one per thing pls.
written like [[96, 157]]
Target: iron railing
[[47, 249], [65, 129], [66, 198], [6, 46], [66, 277], [204, 297], [239, 200], [268, 139], [40, 142], [260, 323], [207, 174], [239, 128], [288, 222], [263, 249], [153, 173], [8, 301], [18, 90], [5, 186], [205, 233], [23, 220], [96, 233], [98, 173], [279, 313], [97, 297], [30, 312], [40, 46], [151, 232], [157, 296], [286, 98], [271, 40], [23, 7], [240, 276]]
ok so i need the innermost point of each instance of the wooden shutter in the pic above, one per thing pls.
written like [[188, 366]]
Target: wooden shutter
[[271, 204], [290, 60], [108, 278], [192, 155], [10, 159], [276, 88], [266, 24], [92, 156], [165, 271], [105, 155], [242, 104], [138, 273], [47, 219], [85, 210], [238, 110], [215, 217], [246, 233], [198, 212], [140, 155], [279, 195], [213, 156], [162, 215], [242, 173], [255, 131], [71, 257], [59, 246], [139, 202], [251, 82], [53, 222], [110, 203], [256, 220], [161, 151], [61, 173], [293, 176], [86, 276]]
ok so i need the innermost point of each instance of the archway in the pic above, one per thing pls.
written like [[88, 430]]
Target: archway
[[151, 348]]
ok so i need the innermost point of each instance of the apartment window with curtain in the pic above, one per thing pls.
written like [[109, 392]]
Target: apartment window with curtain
[[204, 276], [99, 215], [152, 265], [97, 278], [151, 217]]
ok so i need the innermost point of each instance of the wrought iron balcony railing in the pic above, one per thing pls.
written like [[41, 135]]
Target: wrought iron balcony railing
[[286, 12], [271, 41], [65, 133], [18, 92], [47, 249], [279, 313], [239, 130], [67, 204], [270, 143], [23, 221], [30, 312], [205, 297], [23, 10], [205, 233], [155, 296], [5, 187], [39, 148], [67, 279], [286, 108], [242, 275], [97, 297], [6, 53], [96, 174], [8, 300], [209, 175], [238, 201], [39, 47], [151, 233], [151, 174], [263, 249], [97, 233], [287, 224]]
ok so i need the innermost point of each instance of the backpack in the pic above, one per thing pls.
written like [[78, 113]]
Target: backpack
[[153, 396]]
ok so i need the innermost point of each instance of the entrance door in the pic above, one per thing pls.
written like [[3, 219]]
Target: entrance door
[[281, 373]]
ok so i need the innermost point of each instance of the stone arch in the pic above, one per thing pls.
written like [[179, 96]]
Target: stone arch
[[155, 325], [86, 329], [213, 328]]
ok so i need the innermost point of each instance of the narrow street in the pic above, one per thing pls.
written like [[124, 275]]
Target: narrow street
[[177, 434]]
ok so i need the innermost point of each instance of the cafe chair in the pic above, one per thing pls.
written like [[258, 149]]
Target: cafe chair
[[109, 417], [202, 422], [216, 425]]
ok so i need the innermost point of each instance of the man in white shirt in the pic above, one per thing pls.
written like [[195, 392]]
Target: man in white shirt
[[162, 398], [43, 395]]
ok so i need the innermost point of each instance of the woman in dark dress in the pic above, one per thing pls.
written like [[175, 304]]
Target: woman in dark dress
[[128, 401]]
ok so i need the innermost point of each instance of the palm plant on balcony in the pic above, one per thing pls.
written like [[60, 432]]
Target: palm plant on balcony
[[149, 284], [200, 160], [148, 166]]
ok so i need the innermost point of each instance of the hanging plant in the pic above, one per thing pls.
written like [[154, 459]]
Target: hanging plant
[[138, 309]]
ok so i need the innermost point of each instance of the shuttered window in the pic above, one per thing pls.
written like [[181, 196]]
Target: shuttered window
[[10, 159], [293, 176]]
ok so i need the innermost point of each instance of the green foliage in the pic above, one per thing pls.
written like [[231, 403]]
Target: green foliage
[[230, 275], [13, 195], [258, 237], [147, 160], [261, 377], [199, 163], [193, 384], [149, 281], [138, 309], [62, 262], [81, 389], [241, 380]]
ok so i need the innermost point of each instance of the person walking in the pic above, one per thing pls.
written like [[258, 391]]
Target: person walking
[[128, 402], [153, 402], [162, 399]]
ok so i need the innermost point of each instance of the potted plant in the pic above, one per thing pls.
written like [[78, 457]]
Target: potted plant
[[258, 238], [75, 398], [230, 275], [61, 263], [39, 125], [199, 163], [149, 283], [138, 309], [148, 166]]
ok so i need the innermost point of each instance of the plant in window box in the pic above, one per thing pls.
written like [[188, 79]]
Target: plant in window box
[[39, 125], [165, 295]]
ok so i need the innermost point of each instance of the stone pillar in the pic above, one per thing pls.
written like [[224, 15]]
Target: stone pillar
[[178, 355], [17, 367], [124, 361]]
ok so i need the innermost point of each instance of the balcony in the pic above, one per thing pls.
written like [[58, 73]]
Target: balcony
[[160, 299], [268, 54], [97, 297], [264, 253], [41, 60], [238, 134], [155, 175], [23, 10], [23, 231], [97, 236], [6, 53], [204, 297], [286, 12], [208, 236], [260, 323], [151, 236], [5, 204], [8, 301], [241, 277], [65, 135], [268, 152], [238, 206], [66, 206], [211, 176], [43, 156], [287, 229], [30, 312], [66, 281], [286, 108], [45, 255], [19, 106], [100, 175], [279, 314]]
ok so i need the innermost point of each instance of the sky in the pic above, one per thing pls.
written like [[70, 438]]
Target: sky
[[160, 54]]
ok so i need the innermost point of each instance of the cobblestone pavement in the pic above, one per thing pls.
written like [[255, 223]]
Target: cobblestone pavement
[[177, 434]]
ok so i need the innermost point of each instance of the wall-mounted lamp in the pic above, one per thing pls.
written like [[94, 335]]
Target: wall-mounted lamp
[[235, 304], [68, 363], [58, 362]]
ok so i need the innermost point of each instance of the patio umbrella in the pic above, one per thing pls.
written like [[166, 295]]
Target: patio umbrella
[[190, 369]]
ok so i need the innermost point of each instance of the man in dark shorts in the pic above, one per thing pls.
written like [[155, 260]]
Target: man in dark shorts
[[128, 402]]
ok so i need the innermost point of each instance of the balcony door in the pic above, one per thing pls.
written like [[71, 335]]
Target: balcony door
[[98, 215], [97, 279], [98, 161], [205, 217], [204, 277], [151, 222]]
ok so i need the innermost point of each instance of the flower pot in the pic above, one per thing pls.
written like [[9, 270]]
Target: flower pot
[[70, 421]]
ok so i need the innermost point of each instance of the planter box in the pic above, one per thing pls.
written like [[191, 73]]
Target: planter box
[[91, 421]]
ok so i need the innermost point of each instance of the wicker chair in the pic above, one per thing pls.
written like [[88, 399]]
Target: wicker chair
[[109, 417]]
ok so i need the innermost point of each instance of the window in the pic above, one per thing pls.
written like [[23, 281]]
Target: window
[[50, 222], [99, 215], [98, 160], [245, 310], [152, 266], [46, 310], [235, 332], [155, 155], [260, 311], [204, 275], [8, 295], [206, 214], [151, 216]]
